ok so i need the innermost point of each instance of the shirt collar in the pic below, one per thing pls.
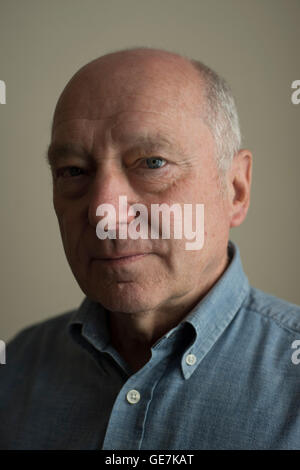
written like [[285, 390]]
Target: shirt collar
[[211, 316], [88, 326]]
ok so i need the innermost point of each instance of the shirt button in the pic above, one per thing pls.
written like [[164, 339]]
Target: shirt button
[[190, 359], [133, 396]]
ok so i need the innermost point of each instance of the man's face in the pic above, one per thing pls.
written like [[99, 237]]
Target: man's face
[[112, 118]]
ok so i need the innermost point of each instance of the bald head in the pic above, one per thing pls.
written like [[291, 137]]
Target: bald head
[[180, 82], [126, 73]]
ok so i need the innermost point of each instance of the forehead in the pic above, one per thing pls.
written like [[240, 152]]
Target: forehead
[[151, 128]]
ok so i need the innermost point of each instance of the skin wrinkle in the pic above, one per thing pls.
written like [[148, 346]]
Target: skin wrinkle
[[148, 297], [112, 116]]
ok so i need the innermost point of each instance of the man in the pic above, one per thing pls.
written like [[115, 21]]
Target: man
[[171, 348]]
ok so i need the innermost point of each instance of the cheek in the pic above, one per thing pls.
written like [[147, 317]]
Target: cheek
[[71, 222], [216, 215], [216, 224]]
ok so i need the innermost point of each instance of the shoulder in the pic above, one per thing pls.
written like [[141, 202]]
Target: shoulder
[[274, 310], [40, 338]]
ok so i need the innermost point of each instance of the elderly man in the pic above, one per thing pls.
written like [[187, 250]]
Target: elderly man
[[171, 348]]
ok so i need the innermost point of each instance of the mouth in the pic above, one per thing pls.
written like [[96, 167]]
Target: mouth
[[118, 260]]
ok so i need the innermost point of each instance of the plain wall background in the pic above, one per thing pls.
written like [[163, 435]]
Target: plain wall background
[[253, 44]]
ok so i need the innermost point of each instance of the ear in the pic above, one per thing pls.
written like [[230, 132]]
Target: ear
[[239, 181]]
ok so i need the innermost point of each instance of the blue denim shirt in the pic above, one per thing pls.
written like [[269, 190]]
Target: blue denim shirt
[[222, 379]]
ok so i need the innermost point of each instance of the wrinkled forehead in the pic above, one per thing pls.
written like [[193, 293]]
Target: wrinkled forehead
[[104, 89]]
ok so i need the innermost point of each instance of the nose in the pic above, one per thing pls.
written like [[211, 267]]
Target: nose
[[111, 186]]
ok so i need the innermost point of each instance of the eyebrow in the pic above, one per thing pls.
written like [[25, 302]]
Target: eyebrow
[[149, 143], [58, 151]]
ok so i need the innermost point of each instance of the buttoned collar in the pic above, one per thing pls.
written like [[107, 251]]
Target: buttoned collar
[[208, 319], [211, 316]]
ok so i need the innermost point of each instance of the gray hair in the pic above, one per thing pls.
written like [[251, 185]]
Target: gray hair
[[220, 115]]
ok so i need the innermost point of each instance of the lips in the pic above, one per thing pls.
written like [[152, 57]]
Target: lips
[[121, 256], [122, 260]]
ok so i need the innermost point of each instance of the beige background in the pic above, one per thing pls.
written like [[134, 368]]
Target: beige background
[[254, 44]]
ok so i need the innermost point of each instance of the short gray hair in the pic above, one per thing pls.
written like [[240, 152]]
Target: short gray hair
[[220, 115]]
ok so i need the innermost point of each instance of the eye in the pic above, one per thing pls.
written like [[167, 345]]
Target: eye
[[69, 172], [155, 162]]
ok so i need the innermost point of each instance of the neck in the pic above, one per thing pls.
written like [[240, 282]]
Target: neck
[[133, 334]]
